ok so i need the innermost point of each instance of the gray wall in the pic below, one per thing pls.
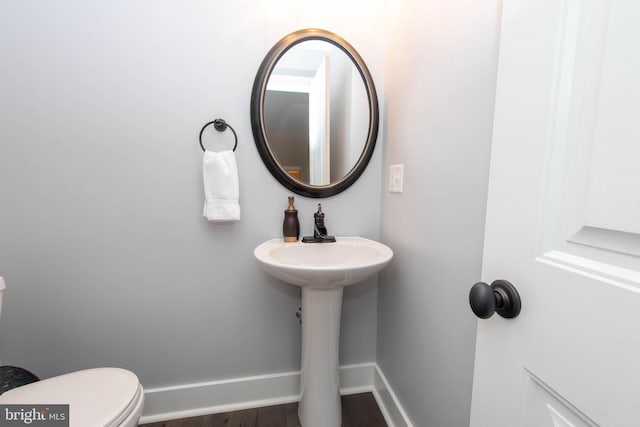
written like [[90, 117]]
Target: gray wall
[[106, 256], [286, 122], [441, 68]]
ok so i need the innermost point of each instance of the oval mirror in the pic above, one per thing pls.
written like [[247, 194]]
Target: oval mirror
[[314, 113]]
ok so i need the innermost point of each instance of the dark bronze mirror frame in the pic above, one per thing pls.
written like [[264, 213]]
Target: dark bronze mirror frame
[[257, 114]]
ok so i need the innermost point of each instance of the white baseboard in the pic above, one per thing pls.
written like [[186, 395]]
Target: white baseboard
[[191, 400], [388, 402]]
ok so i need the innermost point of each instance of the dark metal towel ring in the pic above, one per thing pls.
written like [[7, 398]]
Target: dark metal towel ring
[[220, 125]]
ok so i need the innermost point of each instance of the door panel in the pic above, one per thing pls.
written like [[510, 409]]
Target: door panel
[[545, 408], [591, 195], [563, 219]]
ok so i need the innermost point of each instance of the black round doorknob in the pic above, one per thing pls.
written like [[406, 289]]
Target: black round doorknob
[[501, 297]]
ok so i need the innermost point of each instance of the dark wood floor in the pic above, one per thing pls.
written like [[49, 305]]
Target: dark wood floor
[[358, 410]]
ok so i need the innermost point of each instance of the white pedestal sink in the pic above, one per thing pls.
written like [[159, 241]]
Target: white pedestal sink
[[322, 270]]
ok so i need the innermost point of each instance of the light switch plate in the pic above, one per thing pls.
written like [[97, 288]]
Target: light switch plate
[[396, 173]]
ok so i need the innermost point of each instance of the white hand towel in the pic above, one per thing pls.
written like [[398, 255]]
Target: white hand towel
[[221, 190]]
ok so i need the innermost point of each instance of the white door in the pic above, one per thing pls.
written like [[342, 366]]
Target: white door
[[320, 125], [563, 220]]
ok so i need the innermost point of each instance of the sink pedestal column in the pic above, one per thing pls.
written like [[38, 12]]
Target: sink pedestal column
[[319, 380]]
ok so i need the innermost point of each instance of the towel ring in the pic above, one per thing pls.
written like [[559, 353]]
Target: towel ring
[[220, 125]]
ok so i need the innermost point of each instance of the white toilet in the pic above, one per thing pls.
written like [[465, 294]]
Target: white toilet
[[96, 397]]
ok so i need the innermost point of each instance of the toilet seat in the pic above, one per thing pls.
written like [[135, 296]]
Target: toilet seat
[[96, 397]]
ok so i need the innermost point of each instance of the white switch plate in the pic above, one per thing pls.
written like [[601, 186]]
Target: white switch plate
[[395, 178]]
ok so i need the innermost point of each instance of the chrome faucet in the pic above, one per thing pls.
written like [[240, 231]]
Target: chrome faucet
[[319, 229]]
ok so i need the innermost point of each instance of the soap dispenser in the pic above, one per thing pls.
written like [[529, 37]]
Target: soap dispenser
[[291, 225]]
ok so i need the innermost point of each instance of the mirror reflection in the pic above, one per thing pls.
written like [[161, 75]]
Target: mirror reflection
[[316, 112]]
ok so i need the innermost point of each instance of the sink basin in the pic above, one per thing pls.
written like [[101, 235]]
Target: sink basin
[[344, 262]]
